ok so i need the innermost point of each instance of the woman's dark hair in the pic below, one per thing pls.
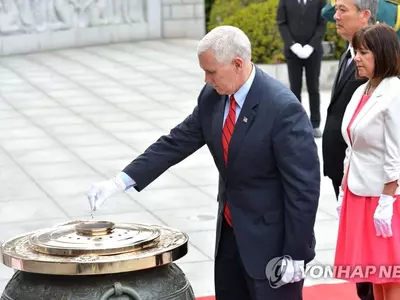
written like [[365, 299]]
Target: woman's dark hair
[[384, 44]]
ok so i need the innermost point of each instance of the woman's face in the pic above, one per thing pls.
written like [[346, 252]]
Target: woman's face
[[365, 62]]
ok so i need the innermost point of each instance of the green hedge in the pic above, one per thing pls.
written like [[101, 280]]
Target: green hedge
[[221, 9], [257, 18]]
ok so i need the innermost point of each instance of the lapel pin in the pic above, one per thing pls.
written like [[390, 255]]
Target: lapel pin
[[245, 119]]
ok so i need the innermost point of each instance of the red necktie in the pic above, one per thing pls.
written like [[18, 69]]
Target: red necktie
[[227, 132]]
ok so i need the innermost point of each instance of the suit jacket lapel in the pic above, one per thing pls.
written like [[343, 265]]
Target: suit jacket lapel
[[341, 61], [217, 125], [350, 110], [376, 95], [245, 118], [302, 6], [348, 73], [306, 6]]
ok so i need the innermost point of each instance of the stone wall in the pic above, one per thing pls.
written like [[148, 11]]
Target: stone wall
[[36, 25], [183, 18]]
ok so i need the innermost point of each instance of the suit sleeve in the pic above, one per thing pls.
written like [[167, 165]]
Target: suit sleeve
[[281, 20], [298, 163], [168, 150], [320, 28], [391, 164]]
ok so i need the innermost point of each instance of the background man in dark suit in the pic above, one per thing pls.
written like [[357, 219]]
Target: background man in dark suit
[[350, 16], [263, 146], [302, 28]]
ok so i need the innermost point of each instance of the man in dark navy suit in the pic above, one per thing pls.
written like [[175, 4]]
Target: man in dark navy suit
[[269, 173]]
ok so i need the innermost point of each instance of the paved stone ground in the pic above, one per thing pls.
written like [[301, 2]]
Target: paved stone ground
[[72, 117]]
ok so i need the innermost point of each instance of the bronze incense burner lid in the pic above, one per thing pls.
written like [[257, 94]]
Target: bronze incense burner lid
[[94, 247], [91, 228]]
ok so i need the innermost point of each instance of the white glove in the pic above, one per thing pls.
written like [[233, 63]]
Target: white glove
[[298, 50], [339, 201], [292, 270], [307, 51], [101, 191], [383, 216]]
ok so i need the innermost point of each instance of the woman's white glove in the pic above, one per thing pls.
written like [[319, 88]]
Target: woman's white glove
[[383, 216]]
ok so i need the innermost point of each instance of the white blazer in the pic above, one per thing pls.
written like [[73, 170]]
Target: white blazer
[[373, 157]]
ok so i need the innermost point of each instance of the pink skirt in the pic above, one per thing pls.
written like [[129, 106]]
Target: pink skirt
[[361, 255]]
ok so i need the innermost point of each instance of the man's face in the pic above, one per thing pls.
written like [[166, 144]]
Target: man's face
[[349, 18], [223, 77]]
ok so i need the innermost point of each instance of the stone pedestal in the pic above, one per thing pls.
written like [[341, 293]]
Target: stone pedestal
[[37, 25]]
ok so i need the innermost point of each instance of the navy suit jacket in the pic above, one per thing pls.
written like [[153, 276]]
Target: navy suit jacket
[[272, 178]]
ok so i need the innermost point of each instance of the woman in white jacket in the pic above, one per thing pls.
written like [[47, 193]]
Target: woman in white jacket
[[368, 245]]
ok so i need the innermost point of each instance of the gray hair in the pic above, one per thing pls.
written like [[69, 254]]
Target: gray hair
[[226, 42], [371, 5]]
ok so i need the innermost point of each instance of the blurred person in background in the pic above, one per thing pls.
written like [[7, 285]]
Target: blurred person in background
[[302, 28]]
